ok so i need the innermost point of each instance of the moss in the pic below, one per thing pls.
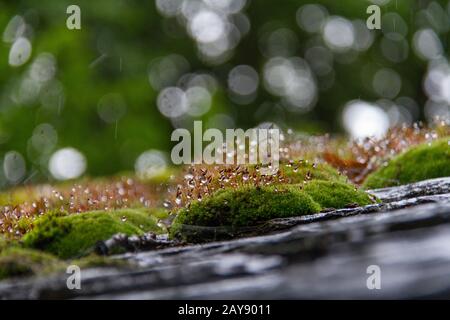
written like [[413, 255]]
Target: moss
[[68, 236], [422, 162], [331, 194], [321, 171], [246, 206], [16, 261]]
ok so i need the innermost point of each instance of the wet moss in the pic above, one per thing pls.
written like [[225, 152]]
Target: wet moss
[[249, 205], [307, 170], [332, 194], [422, 162], [68, 236]]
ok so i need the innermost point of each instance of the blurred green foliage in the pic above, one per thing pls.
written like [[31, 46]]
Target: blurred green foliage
[[112, 52]]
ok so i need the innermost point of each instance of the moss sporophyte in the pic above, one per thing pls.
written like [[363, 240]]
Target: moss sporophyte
[[263, 147], [312, 190], [42, 228]]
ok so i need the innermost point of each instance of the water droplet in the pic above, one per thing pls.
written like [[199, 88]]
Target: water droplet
[[191, 183], [14, 166], [308, 175], [161, 225], [20, 52], [67, 163]]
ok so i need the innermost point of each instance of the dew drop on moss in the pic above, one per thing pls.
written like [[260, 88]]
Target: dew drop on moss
[[167, 204]]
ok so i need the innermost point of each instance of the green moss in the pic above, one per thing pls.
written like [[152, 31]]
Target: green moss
[[246, 206], [422, 162], [331, 194], [68, 236], [15, 262], [321, 171]]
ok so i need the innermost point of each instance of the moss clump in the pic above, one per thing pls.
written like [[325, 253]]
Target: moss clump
[[422, 162], [248, 205], [68, 236], [306, 170], [15, 262], [329, 194]]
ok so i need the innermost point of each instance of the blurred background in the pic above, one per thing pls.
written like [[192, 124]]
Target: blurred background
[[105, 99]]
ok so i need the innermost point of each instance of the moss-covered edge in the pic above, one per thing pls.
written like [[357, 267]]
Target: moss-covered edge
[[422, 162], [74, 235], [249, 205]]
